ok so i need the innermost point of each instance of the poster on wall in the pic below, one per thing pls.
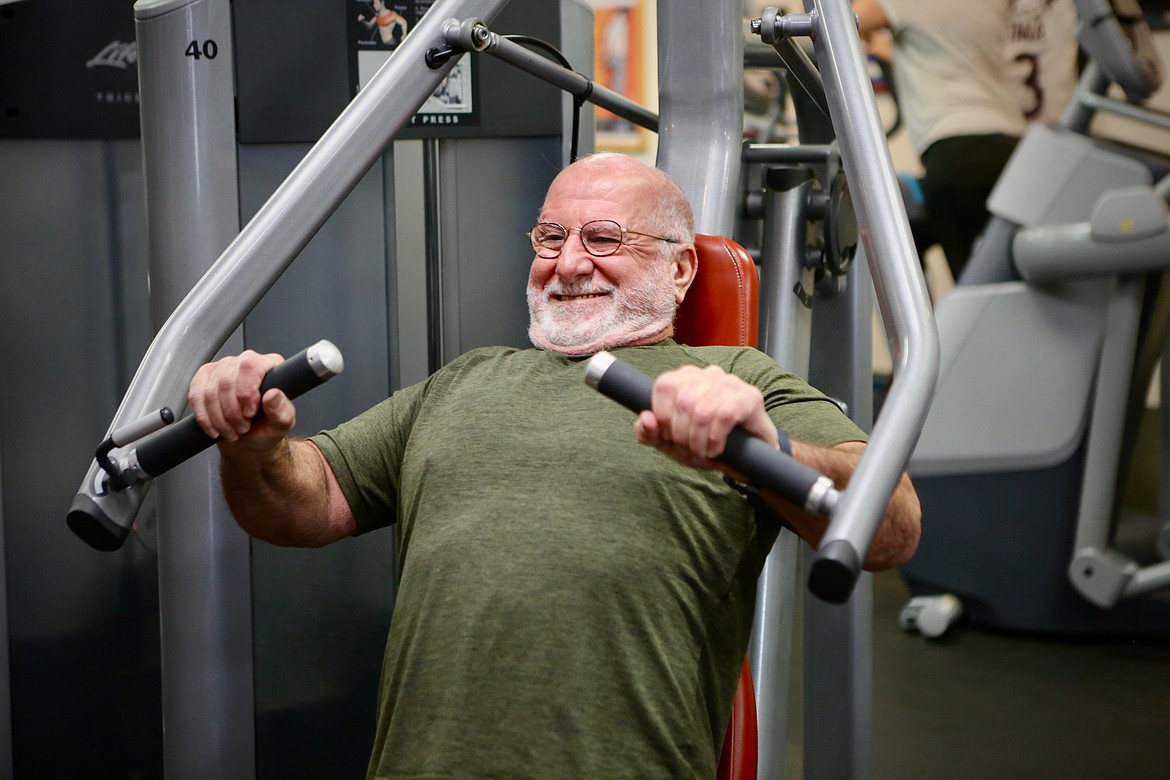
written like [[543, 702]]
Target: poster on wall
[[377, 28], [84, 88], [618, 64]]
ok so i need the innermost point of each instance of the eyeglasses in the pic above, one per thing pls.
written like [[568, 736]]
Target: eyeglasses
[[601, 237]]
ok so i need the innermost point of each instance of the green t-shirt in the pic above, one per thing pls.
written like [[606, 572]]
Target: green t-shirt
[[572, 603]]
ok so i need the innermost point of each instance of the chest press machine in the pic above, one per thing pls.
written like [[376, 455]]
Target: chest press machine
[[701, 108]]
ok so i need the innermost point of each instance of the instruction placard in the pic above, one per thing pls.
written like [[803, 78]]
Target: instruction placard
[[377, 28]]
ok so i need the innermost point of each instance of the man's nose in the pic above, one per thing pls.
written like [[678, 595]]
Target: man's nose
[[573, 261]]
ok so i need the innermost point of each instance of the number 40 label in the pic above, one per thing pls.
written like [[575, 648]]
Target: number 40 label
[[199, 49]]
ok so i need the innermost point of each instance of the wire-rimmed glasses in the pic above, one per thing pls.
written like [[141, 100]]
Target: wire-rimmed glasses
[[600, 237]]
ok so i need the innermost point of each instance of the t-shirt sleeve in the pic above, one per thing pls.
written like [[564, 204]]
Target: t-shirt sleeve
[[803, 412], [365, 454]]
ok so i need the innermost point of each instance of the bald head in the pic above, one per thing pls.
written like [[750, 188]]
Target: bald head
[[656, 203]]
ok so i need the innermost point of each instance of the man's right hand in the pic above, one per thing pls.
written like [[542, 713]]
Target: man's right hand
[[225, 397], [279, 489]]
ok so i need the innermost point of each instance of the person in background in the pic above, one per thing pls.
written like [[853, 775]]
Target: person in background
[[1042, 57], [957, 104], [969, 78]]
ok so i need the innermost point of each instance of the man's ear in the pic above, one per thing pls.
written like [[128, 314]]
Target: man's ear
[[686, 265]]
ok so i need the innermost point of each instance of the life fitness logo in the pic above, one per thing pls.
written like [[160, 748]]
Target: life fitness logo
[[118, 56]]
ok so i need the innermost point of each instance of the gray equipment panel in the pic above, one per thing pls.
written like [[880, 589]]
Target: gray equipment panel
[[1034, 414], [320, 616], [1056, 176], [484, 251], [305, 42], [69, 72], [82, 626]]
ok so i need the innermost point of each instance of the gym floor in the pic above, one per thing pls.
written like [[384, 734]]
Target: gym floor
[[981, 704], [978, 704]]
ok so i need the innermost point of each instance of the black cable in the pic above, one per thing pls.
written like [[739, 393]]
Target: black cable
[[543, 45], [578, 101]]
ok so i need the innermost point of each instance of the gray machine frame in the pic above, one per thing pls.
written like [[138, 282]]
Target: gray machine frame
[[1098, 248], [205, 710]]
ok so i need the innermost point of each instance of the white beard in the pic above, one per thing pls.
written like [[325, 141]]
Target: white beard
[[633, 314]]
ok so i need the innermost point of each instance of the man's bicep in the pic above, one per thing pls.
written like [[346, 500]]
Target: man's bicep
[[341, 520], [360, 479]]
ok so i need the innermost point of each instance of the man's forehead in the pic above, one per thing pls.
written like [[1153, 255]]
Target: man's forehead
[[602, 191]]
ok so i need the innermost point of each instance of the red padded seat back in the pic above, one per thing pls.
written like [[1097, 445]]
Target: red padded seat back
[[722, 305], [722, 308]]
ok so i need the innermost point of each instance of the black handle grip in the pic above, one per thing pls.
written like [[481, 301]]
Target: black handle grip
[[183, 440], [764, 466]]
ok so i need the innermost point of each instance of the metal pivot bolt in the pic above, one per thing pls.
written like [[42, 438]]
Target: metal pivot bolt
[[467, 34], [804, 25], [480, 35], [459, 37], [767, 26], [773, 26]]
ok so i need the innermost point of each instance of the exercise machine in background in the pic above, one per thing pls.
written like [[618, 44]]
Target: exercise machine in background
[[1049, 344]]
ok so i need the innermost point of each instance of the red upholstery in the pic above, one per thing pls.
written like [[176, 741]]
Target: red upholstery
[[738, 760], [721, 307], [722, 304]]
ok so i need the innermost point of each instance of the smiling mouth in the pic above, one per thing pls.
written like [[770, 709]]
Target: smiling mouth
[[582, 297]]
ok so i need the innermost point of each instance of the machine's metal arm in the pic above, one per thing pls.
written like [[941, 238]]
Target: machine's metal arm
[[898, 282], [1116, 36], [273, 238], [155, 445], [474, 35], [802, 72]]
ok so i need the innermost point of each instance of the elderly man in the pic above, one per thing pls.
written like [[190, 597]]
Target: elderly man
[[571, 604]]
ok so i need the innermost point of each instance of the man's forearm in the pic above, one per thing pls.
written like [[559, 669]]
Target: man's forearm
[[897, 536], [287, 496]]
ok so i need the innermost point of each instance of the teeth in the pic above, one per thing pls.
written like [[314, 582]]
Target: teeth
[[581, 296]]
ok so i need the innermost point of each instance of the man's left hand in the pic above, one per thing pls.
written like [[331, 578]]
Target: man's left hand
[[694, 409]]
